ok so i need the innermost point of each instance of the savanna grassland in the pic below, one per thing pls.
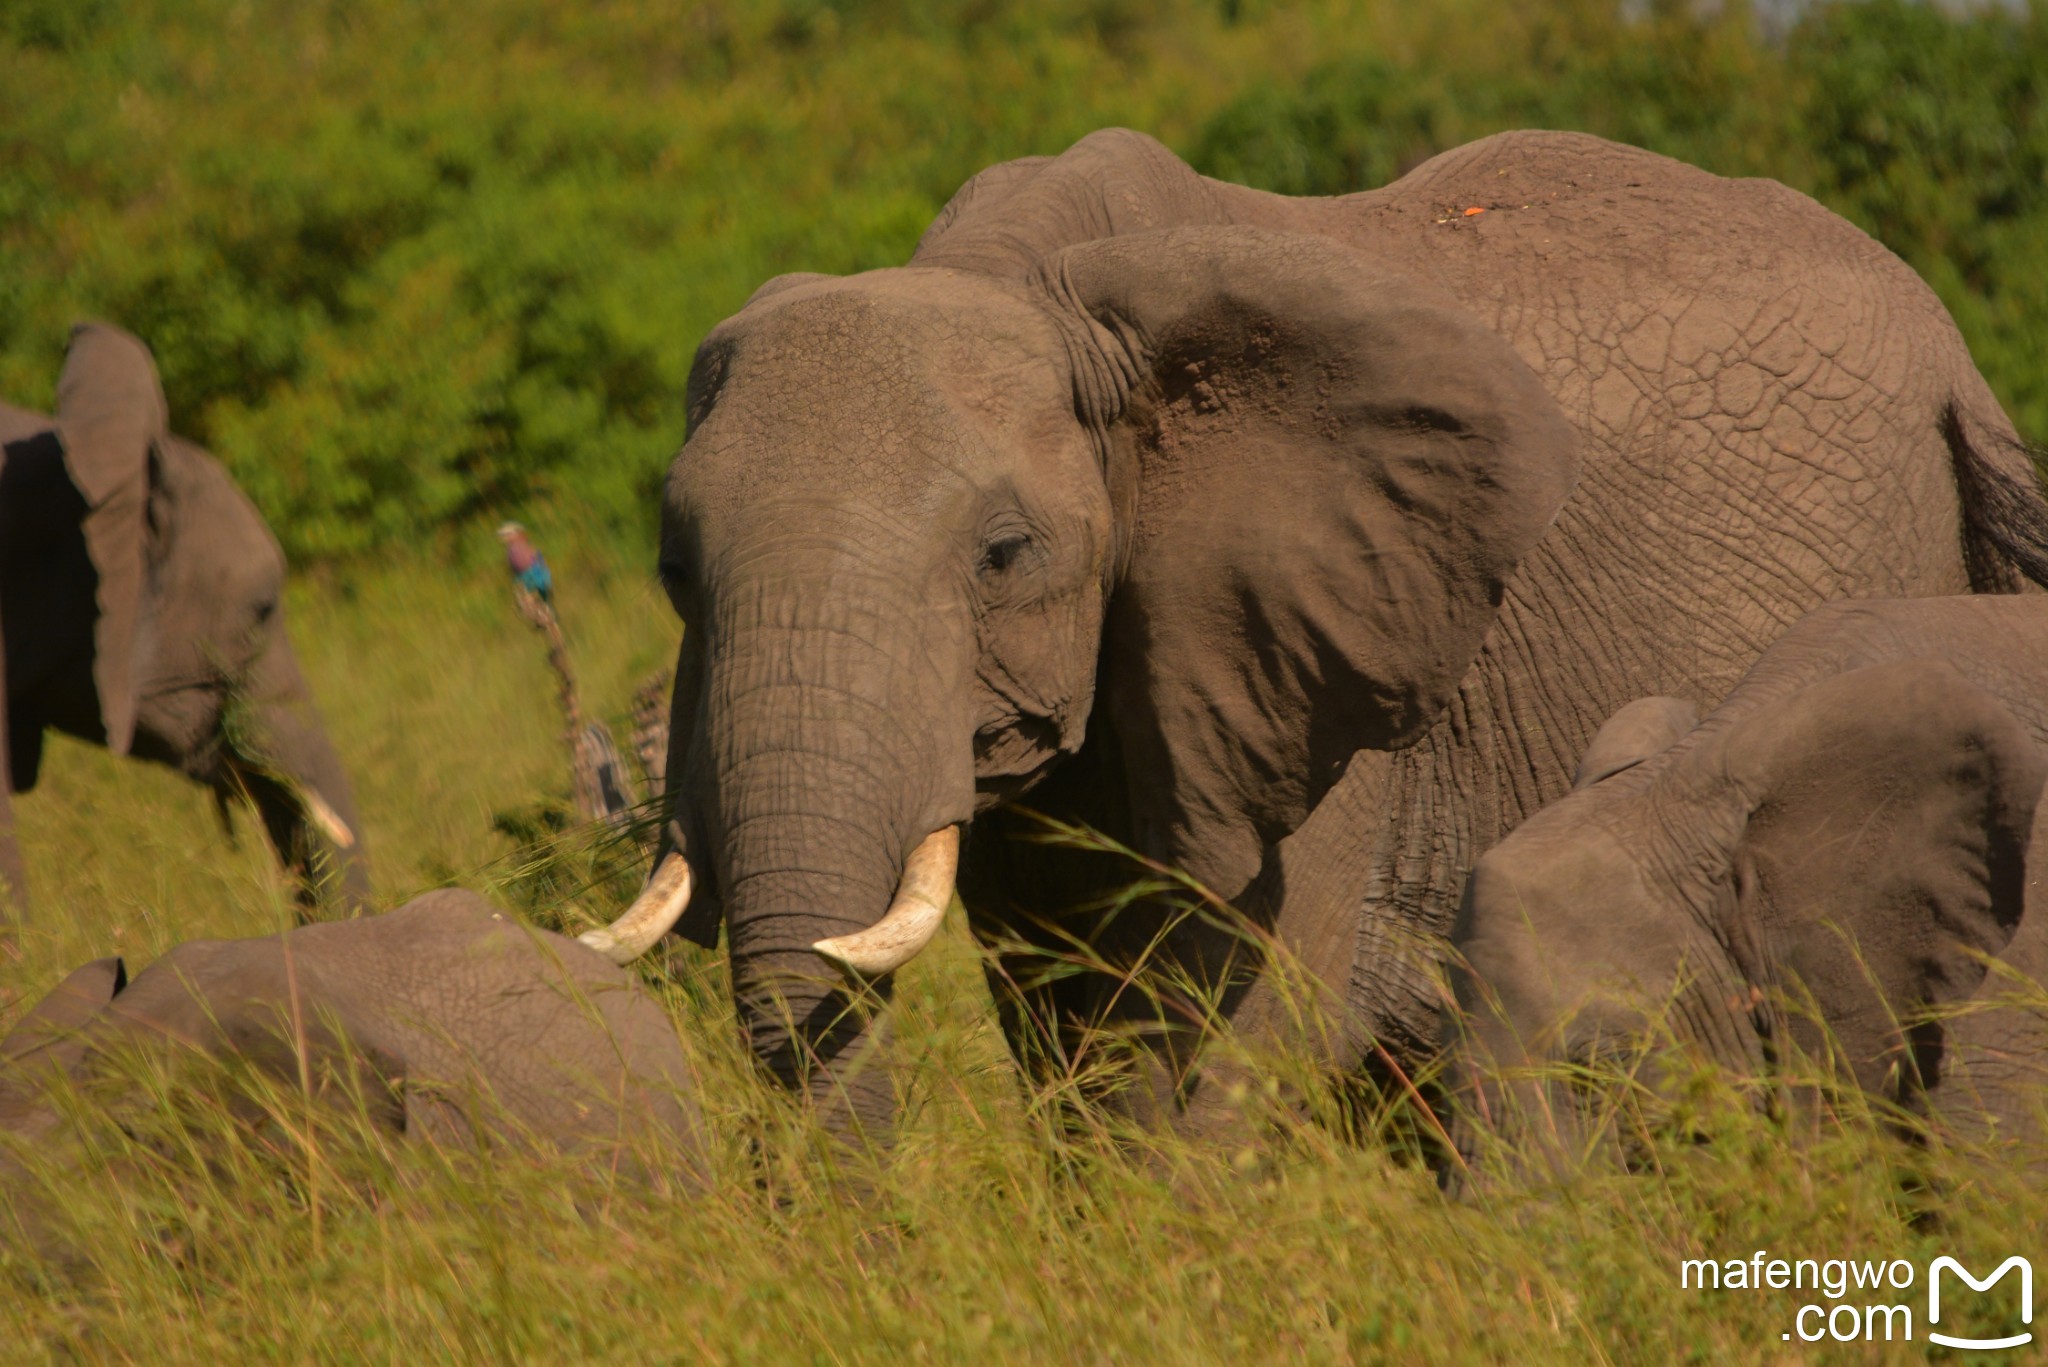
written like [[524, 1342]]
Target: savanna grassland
[[413, 267]]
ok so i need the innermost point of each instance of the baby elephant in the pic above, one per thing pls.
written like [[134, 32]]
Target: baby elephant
[[1836, 857], [450, 1020]]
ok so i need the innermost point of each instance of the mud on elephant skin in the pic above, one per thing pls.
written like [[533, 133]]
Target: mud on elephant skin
[[1845, 858], [141, 608], [446, 1021], [1297, 544]]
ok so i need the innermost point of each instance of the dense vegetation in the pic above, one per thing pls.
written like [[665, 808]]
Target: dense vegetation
[[406, 261], [411, 263]]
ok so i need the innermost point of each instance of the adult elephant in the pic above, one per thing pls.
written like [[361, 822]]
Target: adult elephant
[[141, 605], [1296, 543]]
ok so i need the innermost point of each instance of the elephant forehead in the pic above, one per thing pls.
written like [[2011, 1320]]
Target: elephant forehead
[[1597, 852], [899, 325]]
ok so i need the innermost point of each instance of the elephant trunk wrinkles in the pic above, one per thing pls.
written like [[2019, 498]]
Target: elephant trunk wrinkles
[[826, 763]]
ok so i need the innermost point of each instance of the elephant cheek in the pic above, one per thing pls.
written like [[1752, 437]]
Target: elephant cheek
[[1034, 688]]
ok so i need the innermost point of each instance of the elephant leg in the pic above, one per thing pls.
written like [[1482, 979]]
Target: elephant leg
[[1299, 993], [1093, 1001], [13, 880], [1043, 998]]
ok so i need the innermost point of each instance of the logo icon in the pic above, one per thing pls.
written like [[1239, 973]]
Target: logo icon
[[2026, 1300]]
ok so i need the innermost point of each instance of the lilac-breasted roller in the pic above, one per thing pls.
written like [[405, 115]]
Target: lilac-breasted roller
[[527, 564]]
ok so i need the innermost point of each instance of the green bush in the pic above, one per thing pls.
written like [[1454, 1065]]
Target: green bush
[[409, 264]]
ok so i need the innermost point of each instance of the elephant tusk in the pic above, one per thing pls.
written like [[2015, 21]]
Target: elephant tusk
[[653, 914], [327, 819], [922, 896]]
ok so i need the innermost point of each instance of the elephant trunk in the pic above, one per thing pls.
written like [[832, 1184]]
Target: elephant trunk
[[281, 757], [833, 774]]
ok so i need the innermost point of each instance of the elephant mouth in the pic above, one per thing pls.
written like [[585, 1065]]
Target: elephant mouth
[[923, 893], [1012, 754]]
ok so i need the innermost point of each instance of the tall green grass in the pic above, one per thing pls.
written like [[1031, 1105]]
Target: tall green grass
[[994, 1231]]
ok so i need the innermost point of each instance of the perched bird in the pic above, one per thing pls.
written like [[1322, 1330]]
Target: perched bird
[[527, 564]]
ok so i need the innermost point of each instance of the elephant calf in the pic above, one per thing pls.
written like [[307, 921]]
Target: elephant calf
[[1837, 857], [449, 1020]]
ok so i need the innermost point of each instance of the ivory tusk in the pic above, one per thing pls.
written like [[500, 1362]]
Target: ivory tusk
[[922, 896], [653, 914], [327, 819]]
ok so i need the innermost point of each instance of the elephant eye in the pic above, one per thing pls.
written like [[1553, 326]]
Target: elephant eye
[[1004, 552]]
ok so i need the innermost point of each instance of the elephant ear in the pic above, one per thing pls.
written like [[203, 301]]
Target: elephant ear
[[110, 416], [67, 1008], [1324, 475], [1644, 728], [1883, 857]]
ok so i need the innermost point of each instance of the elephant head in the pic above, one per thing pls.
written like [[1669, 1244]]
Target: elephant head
[[143, 601], [1829, 864], [1097, 470]]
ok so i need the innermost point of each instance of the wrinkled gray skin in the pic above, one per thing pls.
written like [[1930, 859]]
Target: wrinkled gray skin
[[1301, 544], [451, 1021], [141, 606], [1845, 842]]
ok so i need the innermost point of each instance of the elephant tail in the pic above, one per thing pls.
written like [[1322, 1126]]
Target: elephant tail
[[2005, 518]]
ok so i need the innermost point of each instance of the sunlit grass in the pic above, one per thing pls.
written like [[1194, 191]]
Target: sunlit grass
[[993, 1232]]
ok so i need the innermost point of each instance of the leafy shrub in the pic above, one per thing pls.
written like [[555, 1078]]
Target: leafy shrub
[[410, 264]]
